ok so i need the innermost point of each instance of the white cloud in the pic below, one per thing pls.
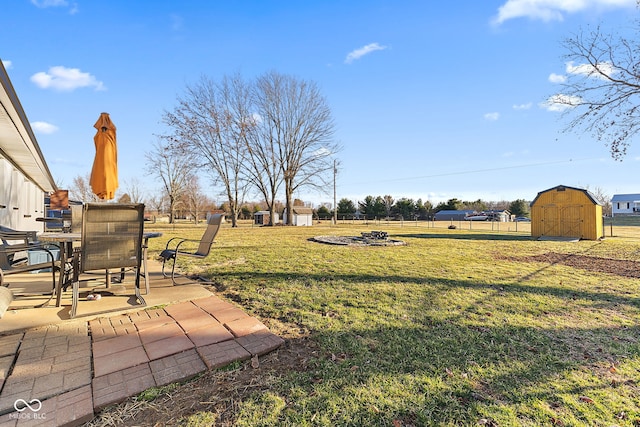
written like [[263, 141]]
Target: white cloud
[[522, 106], [49, 3], [65, 79], [322, 152], [177, 22], [560, 102], [44, 127], [256, 118], [557, 78], [553, 10], [7, 64], [589, 70], [360, 52], [492, 116], [43, 4]]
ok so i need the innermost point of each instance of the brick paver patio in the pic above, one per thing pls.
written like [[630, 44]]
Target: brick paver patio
[[62, 374]]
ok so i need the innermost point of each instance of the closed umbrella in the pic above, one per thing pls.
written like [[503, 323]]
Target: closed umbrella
[[104, 174]]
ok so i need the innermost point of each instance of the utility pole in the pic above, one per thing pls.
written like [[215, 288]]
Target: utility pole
[[335, 206]]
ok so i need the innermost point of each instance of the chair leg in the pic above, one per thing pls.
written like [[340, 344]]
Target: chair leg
[[164, 262], [137, 287], [75, 297], [146, 271]]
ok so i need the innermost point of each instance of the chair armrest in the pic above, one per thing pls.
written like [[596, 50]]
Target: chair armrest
[[26, 236], [20, 248], [180, 241], [171, 240], [185, 241]]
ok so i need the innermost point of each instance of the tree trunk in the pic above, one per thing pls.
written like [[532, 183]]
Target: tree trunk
[[288, 204], [172, 210]]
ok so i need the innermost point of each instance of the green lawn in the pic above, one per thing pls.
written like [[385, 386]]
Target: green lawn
[[458, 327]]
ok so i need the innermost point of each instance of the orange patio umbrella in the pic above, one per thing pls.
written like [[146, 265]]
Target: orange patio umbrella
[[104, 174]]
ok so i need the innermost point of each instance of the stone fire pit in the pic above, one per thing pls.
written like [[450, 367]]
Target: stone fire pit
[[372, 238]]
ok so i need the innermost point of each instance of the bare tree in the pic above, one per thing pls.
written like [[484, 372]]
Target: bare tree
[[209, 123], [172, 169], [196, 203], [156, 203], [81, 190], [388, 204], [602, 90], [298, 121], [263, 164], [134, 189]]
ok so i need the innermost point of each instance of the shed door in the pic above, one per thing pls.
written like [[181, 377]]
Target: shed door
[[550, 221], [571, 221]]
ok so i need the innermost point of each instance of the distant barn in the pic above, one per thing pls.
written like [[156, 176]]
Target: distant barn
[[452, 215], [566, 212]]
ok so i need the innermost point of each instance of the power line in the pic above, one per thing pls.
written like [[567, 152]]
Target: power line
[[476, 171]]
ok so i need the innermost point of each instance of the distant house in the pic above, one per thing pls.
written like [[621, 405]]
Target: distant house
[[625, 204], [498, 215], [452, 215], [301, 216], [24, 174], [564, 211], [262, 218]]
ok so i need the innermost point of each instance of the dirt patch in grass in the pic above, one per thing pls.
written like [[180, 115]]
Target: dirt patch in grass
[[619, 267]]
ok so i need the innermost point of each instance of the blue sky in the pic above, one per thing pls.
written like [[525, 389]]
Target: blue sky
[[431, 100]]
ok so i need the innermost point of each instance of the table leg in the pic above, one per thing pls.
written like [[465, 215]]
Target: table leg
[[144, 264], [65, 249], [61, 274]]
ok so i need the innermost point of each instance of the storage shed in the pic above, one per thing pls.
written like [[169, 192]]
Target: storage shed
[[263, 217], [564, 211], [301, 216]]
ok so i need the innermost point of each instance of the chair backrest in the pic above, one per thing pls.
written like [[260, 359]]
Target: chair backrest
[[76, 218], [11, 241], [111, 235], [213, 225]]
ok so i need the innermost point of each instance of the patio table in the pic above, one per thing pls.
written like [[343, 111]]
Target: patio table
[[65, 242]]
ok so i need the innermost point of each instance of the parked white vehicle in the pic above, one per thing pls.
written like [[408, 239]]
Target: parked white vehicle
[[477, 218]]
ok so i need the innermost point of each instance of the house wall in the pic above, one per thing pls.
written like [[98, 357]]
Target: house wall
[[566, 213], [21, 202], [620, 206]]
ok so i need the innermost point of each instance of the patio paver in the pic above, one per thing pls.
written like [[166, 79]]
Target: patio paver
[[70, 370]]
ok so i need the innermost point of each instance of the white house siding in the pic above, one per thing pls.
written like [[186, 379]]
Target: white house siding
[[625, 204], [24, 175], [21, 202]]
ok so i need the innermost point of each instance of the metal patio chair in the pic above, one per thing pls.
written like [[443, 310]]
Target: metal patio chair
[[178, 247], [15, 249], [111, 239]]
